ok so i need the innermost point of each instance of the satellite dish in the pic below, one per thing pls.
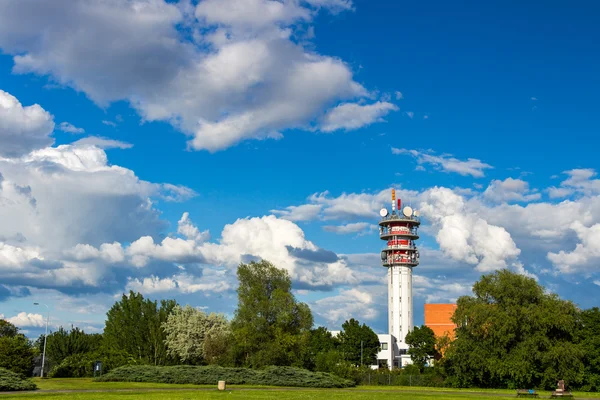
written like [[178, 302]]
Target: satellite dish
[[408, 212], [383, 212], [416, 213]]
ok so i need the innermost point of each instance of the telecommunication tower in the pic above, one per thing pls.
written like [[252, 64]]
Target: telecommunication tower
[[400, 256]]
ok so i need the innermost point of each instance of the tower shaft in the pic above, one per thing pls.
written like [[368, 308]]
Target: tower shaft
[[400, 318]]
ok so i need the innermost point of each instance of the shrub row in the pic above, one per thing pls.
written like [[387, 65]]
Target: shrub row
[[209, 375], [9, 381]]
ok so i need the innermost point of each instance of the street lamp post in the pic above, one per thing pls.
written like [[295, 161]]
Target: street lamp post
[[45, 337]]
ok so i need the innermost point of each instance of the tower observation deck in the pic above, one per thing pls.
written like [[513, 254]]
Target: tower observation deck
[[400, 255]]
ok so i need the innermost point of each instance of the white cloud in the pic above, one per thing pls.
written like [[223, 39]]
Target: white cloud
[[356, 227], [186, 228], [347, 206], [557, 193], [447, 163], [349, 303], [510, 190], [22, 129], [350, 116], [410, 114], [582, 181], [103, 143], [109, 123], [334, 6], [215, 282], [399, 95], [239, 74], [65, 212], [463, 235], [586, 254], [441, 289], [305, 212], [24, 319], [70, 128], [283, 243]]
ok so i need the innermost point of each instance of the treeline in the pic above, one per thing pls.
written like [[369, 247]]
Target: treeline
[[270, 327], [512, 333]]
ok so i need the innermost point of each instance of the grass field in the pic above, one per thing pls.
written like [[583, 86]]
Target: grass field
[[151, 391]]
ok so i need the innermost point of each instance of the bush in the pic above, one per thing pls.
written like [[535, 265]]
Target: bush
[[16, 355], [81, 365], [209, 375], [9, 381]]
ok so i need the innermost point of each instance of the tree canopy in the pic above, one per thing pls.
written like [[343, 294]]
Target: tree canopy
[[351, 336], [511, 333], [16, 351], [422, 345], [270, 326], [134, 326], [187, 329]]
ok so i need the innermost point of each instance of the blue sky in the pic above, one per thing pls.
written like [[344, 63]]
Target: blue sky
[[280, 128]]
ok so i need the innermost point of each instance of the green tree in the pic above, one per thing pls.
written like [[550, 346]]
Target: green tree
[[186, 331], [320, 341], [351, 336], [421, 342], [16, 351], [134, 326], [62, 343], [589, 338], [512, 334], [7, 329], [217, 345], [270, 327]]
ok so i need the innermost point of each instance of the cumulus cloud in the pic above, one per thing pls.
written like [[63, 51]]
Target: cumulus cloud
[[186, 228], [447, 163], [350, 116], [348, 303], [277, 240], [399, 95], [465, 236], [59, 197], [586, 254], [214, 282], [24, 319], [70, 128], [582, 181], [22, 129], [65, 213], [510, 190], [441, 289], [237, 74]]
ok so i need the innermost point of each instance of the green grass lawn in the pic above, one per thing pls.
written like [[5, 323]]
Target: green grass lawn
[[280, 394], [151, 391]]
